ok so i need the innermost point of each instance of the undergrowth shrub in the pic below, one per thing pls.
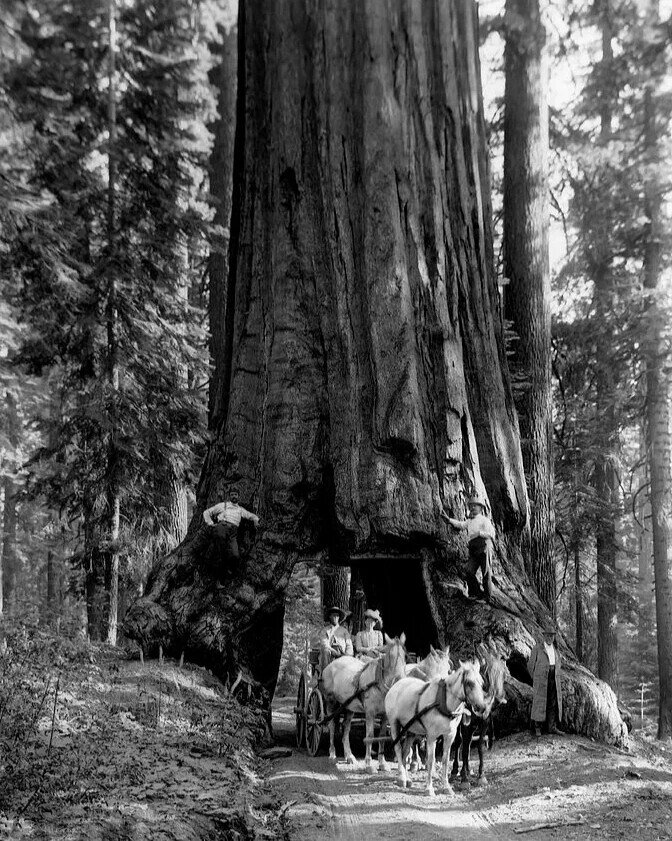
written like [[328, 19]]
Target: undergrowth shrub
[[32, 663]]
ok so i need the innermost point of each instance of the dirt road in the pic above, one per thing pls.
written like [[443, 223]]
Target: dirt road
[[579, 789], [335, 800]]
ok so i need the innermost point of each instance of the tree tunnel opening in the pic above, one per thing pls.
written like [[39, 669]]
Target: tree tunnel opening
[[396, 587]]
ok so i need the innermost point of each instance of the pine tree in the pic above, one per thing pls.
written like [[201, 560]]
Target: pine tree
[[103, 267]]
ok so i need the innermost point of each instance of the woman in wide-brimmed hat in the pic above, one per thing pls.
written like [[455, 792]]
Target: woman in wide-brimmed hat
[[544, 667], [369, 642], [336, 640]]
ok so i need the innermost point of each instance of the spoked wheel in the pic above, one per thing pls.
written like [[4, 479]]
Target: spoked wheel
[[314, 719], [300, 712]]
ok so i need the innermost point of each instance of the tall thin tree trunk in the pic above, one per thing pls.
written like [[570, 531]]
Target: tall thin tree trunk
[[224, 77], [9, 510], [2, 554], [659, 396], [170, 491], [112, 469], [578, 601], [53, 588], [526, 266], [605, 479], [335, 587], [357, 600], [645, 585], [94, 577]]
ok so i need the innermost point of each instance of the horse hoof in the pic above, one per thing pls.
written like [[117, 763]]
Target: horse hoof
[[431, 792], [382, 768], [414, 766], [332, 756], [466, 785], [351, 760], [481, 781], [369, 769], [448, 789]]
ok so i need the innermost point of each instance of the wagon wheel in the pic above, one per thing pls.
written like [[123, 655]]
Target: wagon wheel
[[314, 719], [300, 712]]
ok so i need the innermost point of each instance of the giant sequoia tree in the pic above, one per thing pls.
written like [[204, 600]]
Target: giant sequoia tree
[[367, 381]]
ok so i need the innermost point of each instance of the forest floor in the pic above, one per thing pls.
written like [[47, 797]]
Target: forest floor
[[96, 746], [578, 788], [99, 747]]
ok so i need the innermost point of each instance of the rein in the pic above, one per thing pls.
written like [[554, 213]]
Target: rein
[[439, 704], [380, 671], [379, 679]]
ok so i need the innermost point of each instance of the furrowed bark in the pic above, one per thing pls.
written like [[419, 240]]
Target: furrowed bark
[[368, 382]]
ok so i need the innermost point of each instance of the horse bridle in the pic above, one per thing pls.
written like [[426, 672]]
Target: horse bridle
[[400, 654]]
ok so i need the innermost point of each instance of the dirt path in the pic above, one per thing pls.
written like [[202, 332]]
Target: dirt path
[[588, 791], [343, 802]]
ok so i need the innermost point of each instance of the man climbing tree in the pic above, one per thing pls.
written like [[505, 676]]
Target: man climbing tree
[[368, 382], [224, 519]]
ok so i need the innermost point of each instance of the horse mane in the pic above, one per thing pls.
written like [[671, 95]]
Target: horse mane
[[493, 668]]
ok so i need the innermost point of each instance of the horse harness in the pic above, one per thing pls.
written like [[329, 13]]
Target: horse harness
[[356, 696], [439, 704]]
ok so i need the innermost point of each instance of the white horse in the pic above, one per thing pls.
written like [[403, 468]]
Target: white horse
[[440, 717], [364, 687], [437, 664]]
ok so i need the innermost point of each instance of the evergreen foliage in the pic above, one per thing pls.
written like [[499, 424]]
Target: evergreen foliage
[[59, 259]]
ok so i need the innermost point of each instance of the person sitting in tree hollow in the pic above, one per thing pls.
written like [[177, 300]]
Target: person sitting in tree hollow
[[224, 519], [480, 535], [369, 642]]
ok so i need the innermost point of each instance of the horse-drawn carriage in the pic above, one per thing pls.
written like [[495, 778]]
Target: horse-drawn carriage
[[312, 718], [310, 710], [316, 707]]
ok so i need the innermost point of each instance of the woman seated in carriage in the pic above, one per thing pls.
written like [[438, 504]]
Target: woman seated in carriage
[[369, 642]]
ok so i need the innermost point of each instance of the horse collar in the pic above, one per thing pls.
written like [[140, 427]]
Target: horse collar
[[442, 701]]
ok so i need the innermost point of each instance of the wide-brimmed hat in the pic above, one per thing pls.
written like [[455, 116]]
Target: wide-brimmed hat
[[342, 614], [548, 628], [476, 500], [373, 614]]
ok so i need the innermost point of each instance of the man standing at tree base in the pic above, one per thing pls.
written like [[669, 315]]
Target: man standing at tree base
[[544, 669]]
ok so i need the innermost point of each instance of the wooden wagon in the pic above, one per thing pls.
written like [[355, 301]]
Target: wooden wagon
[[311, 719]]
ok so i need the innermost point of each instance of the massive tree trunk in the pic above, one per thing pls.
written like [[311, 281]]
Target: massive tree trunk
[[368, 383], [526, 266], [659, 395]]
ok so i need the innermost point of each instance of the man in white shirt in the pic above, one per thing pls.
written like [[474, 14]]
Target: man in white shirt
[[224, 518], [480, 536], [336, 640]]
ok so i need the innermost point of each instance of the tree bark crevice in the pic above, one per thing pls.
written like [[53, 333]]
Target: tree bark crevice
[[352, 294]]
